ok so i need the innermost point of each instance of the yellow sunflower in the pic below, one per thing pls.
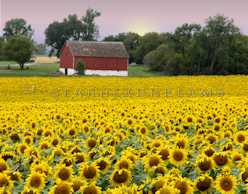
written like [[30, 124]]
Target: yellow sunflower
[[226, 184], [90, 143], [182, 142], [123, 163], [183, 185], [90, 189], [152, 160], [44, 145], [178, 157], [209, 151], [21, 148], [237, 158], [240, 137], [54, 141], [103, 164], [119, 177], [143, 131], [5, 181], [72, 132], [36, 180], [3, 165], [81, 157], [90, 173], [61, 187], [203, 184], [204, 163], [157, 184], [243, 176], [77, 183], [221, 159], [160, 169], [42, 167], [69, 160], [28, 190], [65, 173], [15, 176]]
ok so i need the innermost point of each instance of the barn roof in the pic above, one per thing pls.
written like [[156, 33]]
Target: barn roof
[[97, 49]]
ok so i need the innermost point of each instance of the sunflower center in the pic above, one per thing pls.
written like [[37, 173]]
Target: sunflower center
[[143, 131], [204, 185], [92, 143], [62, 189], [205, 165], [35, 182], [157, 186], [3, 167], [80, 159], [154, 161], [124, 165], [241, 138], [178, 156], [226, 184], [90, 190], [90, 173], [220, 160], [164, 153], [102, 165], [182, 186], [3, 182], [160, 170], [120, 178], [181, 144], [64, 174], [76, 185], [237, 158], [245, 147], [245, 175], [72, 132]]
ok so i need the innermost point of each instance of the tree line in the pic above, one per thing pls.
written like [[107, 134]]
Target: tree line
[[219, 47]]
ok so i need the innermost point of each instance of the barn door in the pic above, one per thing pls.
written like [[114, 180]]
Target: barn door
[[65, 71]]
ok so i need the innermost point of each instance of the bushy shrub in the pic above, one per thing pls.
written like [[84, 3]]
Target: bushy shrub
[[80, 68]]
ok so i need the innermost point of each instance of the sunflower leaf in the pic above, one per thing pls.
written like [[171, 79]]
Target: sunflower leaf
[[15, 167]]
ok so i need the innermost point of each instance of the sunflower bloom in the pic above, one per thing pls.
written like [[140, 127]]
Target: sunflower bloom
[[36, 180], [178, 157], [204, 184], [90, 189], [119, 177], [226, 184]]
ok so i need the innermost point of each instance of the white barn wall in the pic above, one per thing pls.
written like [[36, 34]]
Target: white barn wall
[[96, 72]]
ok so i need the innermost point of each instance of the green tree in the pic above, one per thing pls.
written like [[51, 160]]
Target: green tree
[[238, 63], [1, 45], [91, 30], [148, 42], [157, 58], [17, 26], [80, 68], [221, 31], [19, 48], [41, 49], [109, 38], [71, 29], [56, 35]]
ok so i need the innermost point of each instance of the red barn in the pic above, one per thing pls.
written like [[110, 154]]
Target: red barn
[[101, 58]]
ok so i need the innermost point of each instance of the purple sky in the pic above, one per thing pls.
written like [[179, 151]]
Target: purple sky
[[117, 16]]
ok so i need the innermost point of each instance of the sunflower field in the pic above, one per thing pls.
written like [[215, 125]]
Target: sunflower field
[[109, 135]]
